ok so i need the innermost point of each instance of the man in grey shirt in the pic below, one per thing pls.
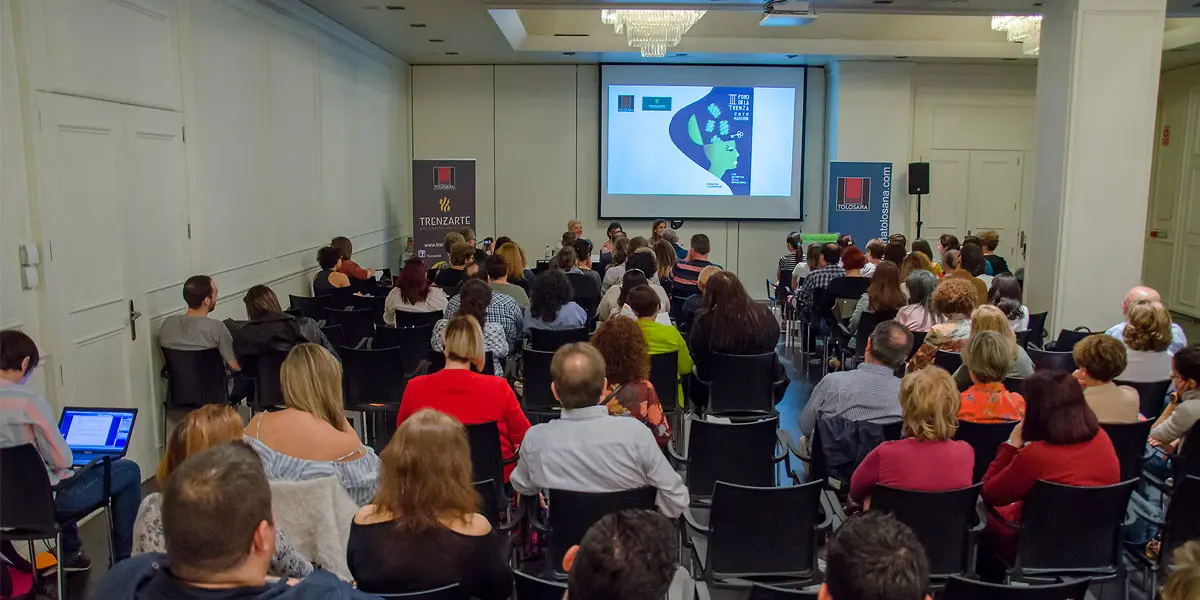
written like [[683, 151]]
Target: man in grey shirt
[[587, 450], [193, 330]]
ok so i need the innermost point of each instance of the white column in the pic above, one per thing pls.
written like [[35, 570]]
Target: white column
[[1096, 99]]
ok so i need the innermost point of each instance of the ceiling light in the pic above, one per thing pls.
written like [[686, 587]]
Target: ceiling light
[[1024, 30], [653, 31], [417, 25]]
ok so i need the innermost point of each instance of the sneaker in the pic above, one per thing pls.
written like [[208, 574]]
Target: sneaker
[[75, 561]]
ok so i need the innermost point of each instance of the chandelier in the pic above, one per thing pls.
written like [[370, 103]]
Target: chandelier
[[1026, 30], [653, 31]]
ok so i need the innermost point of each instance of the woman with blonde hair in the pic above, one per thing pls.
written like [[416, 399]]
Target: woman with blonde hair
[[990, 318], [1147, 339], [422, 531], [927, 459], [518, 273], [988, 356], [915, 261], [200, 430], [311, 437], [811, 262]]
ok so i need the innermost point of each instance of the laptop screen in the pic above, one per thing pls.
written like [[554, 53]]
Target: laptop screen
[[97, 429]]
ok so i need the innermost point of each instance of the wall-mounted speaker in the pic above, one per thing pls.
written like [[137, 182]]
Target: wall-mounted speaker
[[918, 178]]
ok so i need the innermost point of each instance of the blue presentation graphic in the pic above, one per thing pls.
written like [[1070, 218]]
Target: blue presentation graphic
[[700, 140], [860, 200]]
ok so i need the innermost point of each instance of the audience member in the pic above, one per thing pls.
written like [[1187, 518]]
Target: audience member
[[919, 315], [272, 330], [1059, 441], [927, 459], [1178, 339], [852, 285], [469, 396], [989, 318], [588, 450], [568, 241], [894, 253], [497, 272], [461, 254], [349, 267], [27, 418], [474, 300], [946, 243], [953, 300], [1182, 412], [1183, 583], [502, 310], [883, 297], [844, 241], [628, 555], [791, 258], [660, 338], [990, 240], [811, 262], [665, 259], [566, 259], [988, 356], [695, 303], [616, 268], [311, 437], [469, 236], [193, 330], [514, 257], [974, 263], [637, 242], [329, 278], [869, 392], [1147, 337], [874, 253], [1099, 359], [656, 229], [627, 368], [671, 236], [922, 246], [612, 233], [1005, 294], [957, 268], [412, 293], [551, 306], [685, 273], [201, 429], [732, 323], [641, 261], [220, 535], [915, 261], [898, 239], [829, 267], [422, 531], [583, 261], [632, 280], [873, 556], [448, 242]]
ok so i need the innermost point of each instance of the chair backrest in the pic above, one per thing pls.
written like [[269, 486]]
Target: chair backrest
[[537, 394], [950, 361], [918, 341], [742, 384], [1023, 338], [763, 530], [1182, 520], [551, 340], [1014, 384], [1152, 396], [446, 592], [866, 325], [664, 375], [573, 513], [374, 304], [335, 334], [372, 376], [356, 324], [26, 500], [769, 592], [1129, 441], [843, 308], [1072, 529], [1037, 328], [961, 588], [310, 306], [585, 292], [675, 310], [985, 439], [340, 298], [1068, 338], [268, 391], [386, 337], [487, 461], [489, 501], [534, 588], [941, 520], [738, 453], [1051, 360], [195, 378], [417, 319], [415, 344], [1187, 460], [835, 457]]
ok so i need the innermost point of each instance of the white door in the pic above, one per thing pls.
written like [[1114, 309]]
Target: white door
[[994, 198], [943, 210], [1187, 287]]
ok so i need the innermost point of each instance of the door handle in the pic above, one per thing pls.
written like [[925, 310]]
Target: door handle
[[134, 315]]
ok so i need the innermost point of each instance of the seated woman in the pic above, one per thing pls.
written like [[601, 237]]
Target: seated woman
[[922, 246], [412, 293], [660, 339], [1005, 294], [329, 278], [514, 257], [1099, 359], [989, 318], [347, 266], [918, 314], [272, 330], [810, 263], [927, 459], [695, 303], [954, 299], [641, 260], [732, 323], [468, 396], [461, 254], [311, 437], [421, 530], [1148, 340], [664, 259], [200, 430], [988, 357], [611, 234], [616, 268], [473, 301], [882, 298], [852, 286], [627, 366], [551, 307], [633, 279], [1059, 441]]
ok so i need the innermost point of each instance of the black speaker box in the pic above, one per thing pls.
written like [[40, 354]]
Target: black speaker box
[[918, 178]]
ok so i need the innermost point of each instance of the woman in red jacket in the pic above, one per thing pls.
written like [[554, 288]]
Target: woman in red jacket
[[468, 396], [349, 267], [1059, 441]]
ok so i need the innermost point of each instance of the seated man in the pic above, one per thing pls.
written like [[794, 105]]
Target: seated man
[[587, 450], [869, 393], [26, 418], [461, 254], [194, 331], [1178, 339], [829, 267], [629, 555], [503, 309], [220, 537], [497, 274], [686, 272], [873, 555]]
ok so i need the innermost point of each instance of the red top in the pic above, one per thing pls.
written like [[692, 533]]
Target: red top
[[912, 464], [471, 398], [352, 270]]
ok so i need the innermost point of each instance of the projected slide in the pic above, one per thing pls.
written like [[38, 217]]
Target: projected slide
[[686, 140]]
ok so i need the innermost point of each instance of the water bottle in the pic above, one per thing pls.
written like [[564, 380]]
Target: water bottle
[[547, 252]]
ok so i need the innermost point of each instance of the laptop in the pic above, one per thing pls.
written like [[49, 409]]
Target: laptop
[[96, 432]]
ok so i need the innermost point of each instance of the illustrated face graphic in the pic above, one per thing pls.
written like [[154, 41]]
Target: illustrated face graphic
[[722, 156]]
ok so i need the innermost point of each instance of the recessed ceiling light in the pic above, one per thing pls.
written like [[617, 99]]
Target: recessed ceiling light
[[395, 7], [417, 25], [882, 2], [1010, 59], [437, 41], [451, 54], [568, 54], [901, 57], [681, 54]]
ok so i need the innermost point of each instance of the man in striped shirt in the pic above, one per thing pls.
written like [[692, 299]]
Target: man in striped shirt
[[26, 418], [686, 273]]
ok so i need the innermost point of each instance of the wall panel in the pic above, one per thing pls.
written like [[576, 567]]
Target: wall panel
[[293, 143]]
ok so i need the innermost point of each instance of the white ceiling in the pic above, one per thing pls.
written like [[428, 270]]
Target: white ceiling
[[570, 31]]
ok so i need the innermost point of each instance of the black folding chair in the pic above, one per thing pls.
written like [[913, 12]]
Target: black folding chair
[[1023, 338], [741, 386], [373, 384], [536, 588], [374, 304], [950, 361], [1181, 524], [335, 335], [487, 460], [1129, 442], [1068, 338], [1037, 328], [417, 319], [415, 344], [770, 592], [1049, 360], [357, 324], [947, 523], [1014, 384], [571, 514], [447, 592], [309, 306], [538, 401], [985, 440], [918, 341], [195, 378], [264, 368], [961, 588], [737, 453], [664, 376], [1152, 396], [585, 292], [549, 340]]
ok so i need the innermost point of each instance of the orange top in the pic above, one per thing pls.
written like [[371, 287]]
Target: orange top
[[351, 269], [990, 403]]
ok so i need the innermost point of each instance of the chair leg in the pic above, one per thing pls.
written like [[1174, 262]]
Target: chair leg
[[108, 519], [59, 571]]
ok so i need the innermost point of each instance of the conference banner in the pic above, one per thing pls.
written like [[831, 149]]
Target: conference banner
[[860, 200], [443, 201]]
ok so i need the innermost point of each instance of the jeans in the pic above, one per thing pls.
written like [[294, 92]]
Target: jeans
[[86, 489]]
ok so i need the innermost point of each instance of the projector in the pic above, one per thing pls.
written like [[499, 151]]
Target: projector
[[787, 13]]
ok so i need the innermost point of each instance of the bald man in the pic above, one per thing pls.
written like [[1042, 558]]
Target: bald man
[[1141, 292]]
